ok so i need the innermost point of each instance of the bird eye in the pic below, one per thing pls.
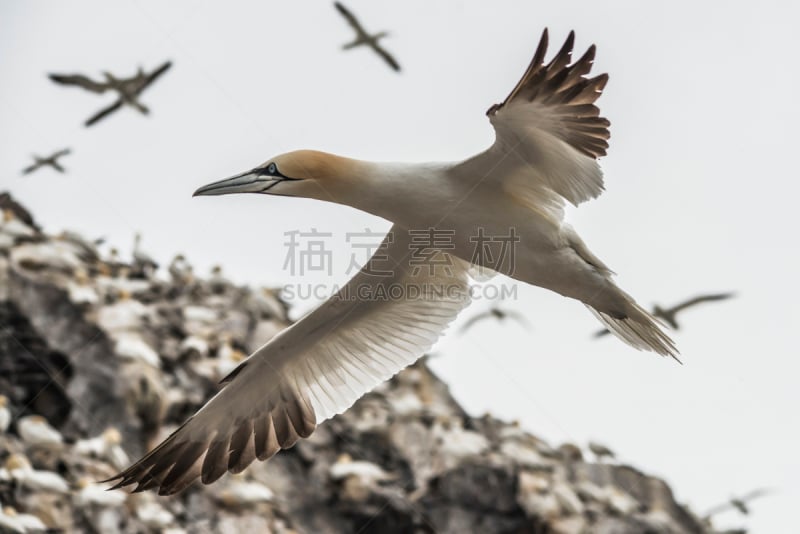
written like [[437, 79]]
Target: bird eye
[[272, 169]]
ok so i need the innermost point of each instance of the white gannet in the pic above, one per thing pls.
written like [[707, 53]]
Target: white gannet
[[364, 38], [14, 521], [50, 161], [180, 271], [90, 493], [37, 432], [549, 135], [21, 470], [128, 89], [106, 446], [5, 414], [241, 493], [142, 262]]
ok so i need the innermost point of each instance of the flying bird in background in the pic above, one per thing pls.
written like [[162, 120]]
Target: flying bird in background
[[668, 315], [600, 451], [549, 135], [128, 89], [738, 503], [364, 38], [49, 161], [496, 312]]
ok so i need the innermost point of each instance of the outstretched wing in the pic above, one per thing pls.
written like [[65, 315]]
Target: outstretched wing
[[387, 57], [374, 327], [473, 320], [549, 134], [755, 494], [144, 81], [79, 80], [103, 113], [700, 299], [31, 168], [350, 18], [518, 317]]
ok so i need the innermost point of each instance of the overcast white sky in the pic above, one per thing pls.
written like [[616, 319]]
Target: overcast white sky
[[701, 190]]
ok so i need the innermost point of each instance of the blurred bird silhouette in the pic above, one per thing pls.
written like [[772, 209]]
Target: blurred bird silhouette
[[498, 313], [600, 451], [668, 315], [128, 89], [738, 503], [49, 161], [14, 210], [143, 263], [364, 38]]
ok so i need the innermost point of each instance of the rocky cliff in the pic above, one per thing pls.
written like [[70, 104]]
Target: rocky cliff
[[101, 358]]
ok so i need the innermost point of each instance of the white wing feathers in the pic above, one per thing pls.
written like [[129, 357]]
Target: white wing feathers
[[374, 327], [549, 133]]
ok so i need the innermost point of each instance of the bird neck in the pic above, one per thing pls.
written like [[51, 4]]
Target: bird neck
[[388, 190]]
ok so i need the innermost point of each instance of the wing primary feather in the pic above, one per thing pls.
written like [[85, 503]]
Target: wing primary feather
[[215, 464]]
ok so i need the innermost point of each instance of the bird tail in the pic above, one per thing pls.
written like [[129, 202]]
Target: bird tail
[[638, 329]]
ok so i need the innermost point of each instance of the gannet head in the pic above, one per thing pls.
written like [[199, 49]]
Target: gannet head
[[302, 173]]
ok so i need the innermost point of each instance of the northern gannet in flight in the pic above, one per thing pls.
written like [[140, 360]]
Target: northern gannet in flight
[[364, 38], [668, 315], [50, 161], [549, 135], [128, 89]]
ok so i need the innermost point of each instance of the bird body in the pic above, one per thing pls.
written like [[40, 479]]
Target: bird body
[[548, 137], [128, 89], [48, 161], [37, 432], [363, 38]]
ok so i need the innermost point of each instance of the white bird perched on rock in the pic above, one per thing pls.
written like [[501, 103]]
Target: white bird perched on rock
[[5, 414], [106, 446], [153, 515], [368, 472], [36, 431], [217, 282], [20, 469], [549, 135], [142, 261], [16, 522], [180, 270], [241, 493], [90, 493], [131, 346]]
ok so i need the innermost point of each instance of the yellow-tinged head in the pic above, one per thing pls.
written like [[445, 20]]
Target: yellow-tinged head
[[302, 173]]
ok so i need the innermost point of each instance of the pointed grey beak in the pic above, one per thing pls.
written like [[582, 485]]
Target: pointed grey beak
[[247, 182]]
